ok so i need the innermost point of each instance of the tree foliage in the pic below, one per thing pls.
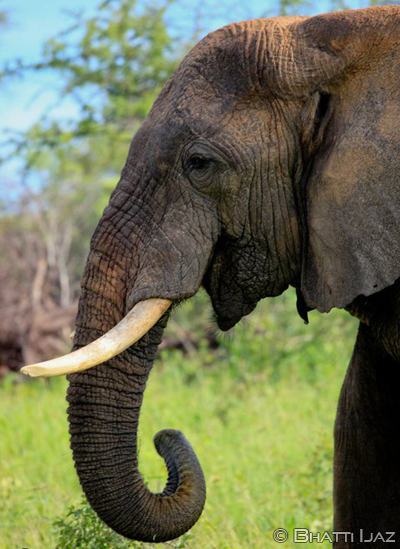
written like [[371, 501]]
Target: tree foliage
[[116, 67]]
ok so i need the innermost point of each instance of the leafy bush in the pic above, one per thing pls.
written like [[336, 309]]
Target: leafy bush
[[82, 528]]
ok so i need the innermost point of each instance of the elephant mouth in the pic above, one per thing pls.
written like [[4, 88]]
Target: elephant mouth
[[229, 300], [227, 313]]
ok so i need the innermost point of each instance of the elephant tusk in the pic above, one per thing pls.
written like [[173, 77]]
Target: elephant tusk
[[127, 332]]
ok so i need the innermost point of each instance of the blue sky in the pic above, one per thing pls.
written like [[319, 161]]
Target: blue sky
[[24, 100], [32, 22]]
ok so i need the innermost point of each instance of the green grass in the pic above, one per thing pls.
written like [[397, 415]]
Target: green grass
[[259, 412]]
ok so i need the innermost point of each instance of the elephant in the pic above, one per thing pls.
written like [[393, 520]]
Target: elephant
[[270, 159]]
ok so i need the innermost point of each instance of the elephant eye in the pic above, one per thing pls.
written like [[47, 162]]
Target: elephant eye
[[198, 163], [199, 171]]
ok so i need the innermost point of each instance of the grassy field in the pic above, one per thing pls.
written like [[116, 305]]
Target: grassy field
[[258, 410]]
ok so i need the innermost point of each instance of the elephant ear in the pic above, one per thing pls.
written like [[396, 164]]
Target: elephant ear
[[352, 187]]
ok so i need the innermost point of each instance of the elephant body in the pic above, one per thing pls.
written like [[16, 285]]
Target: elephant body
[[271, 158]]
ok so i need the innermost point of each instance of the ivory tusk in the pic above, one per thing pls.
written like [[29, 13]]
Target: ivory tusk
[[127, 332], [72, 335]]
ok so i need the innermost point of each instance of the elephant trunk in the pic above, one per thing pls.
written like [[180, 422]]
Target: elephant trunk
[[104, 409]]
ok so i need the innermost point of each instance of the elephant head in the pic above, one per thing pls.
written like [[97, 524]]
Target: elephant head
[[270, 159]]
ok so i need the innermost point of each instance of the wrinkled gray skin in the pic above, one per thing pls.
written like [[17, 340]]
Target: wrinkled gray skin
[[270, 158]]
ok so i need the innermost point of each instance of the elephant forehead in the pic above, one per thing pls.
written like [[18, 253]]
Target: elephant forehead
[[242, 57], [230, 70], [184, 122]]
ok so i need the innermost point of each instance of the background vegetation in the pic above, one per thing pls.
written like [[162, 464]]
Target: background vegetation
[[257, 404], [259, 411]]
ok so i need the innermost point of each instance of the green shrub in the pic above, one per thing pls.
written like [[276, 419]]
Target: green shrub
[[82, 528]]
